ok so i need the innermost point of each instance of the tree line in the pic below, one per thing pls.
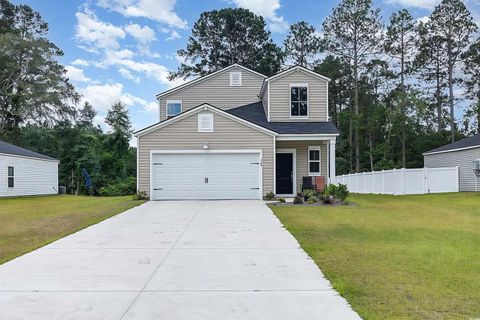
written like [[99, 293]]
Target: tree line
[[392, 90]]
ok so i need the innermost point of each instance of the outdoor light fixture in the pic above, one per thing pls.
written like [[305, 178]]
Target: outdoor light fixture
[[205, 145]]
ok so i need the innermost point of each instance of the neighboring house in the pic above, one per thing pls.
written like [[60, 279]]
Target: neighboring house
[[24, 172], [462, 154], [237, 134]]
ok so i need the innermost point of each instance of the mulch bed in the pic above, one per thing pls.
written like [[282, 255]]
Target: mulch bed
[[316, 204]]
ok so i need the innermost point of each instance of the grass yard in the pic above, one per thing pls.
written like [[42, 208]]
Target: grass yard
[[404, 257], [27, 223]]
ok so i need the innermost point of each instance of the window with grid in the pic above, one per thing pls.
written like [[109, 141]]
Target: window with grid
[[174, 107], [314, 161], [11, 177], [299, 100]]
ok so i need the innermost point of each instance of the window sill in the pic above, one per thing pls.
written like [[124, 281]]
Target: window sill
[[299, 117], [313, 174]]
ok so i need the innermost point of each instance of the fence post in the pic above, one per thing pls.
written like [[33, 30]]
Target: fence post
[[403, 181], [383, 181], [425, 180], [373, 182]]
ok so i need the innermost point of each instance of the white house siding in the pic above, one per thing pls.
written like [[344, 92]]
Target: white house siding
[[461, 158], [280, 97], [217, 91], [301, 148], [183, 135], [32, 176]]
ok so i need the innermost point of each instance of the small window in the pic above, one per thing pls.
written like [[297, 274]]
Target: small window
[[205, 122], [299, 100], [174, 107], [235, 79], [11, 177], [314, 161]]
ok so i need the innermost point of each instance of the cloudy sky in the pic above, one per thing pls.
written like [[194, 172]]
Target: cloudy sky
[[125, 48]]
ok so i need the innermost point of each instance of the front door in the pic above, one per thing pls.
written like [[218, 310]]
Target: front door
[[284, 173]]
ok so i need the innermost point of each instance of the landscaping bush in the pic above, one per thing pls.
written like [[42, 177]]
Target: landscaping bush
[[312, 200], [270, 196], [333, 192], [298, 198], [282, 200], [309, 193], [140, 195], [341, 192], [120, 188]]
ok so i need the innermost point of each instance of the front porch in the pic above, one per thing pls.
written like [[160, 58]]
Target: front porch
[[295, 159]]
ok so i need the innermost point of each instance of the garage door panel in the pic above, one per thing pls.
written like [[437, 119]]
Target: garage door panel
[[230, 176]]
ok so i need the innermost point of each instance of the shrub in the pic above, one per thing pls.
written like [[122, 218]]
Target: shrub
[[341, 192], [120, 188], [140, 195], [282, 200], [298, 198], [270, 196], [333, 191], [309, 193], [312, 200]]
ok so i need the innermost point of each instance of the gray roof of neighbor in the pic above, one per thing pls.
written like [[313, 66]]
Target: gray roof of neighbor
[[255, 113], [464, 143], [19, 151]]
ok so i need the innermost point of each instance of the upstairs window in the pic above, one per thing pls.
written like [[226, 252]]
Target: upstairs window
[[174, 107], [235, 79], [11, 177], [205, 122], [299, 100], [314, 161]]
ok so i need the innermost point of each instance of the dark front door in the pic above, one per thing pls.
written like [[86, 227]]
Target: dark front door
[[284, 173]]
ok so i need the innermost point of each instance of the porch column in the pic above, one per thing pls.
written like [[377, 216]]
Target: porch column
[[331, 161]]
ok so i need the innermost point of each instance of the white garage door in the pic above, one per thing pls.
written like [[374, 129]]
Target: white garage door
[[206, 176]]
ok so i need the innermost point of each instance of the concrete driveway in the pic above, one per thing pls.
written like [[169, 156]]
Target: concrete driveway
[[172, 260]]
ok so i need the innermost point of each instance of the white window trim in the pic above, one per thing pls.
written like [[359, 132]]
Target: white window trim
[[166, 108], [240, 77], [305, 85], [9, 176], [319, 173], [200, 116]]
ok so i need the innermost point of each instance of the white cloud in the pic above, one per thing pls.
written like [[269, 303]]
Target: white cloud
[[424, 4], [91, 31], [268, 10], [151, 70], [76, 74], [80, 62], [128, 75], [101, 96], [143, 35], [158, 10], [152, 107], [173, 34]]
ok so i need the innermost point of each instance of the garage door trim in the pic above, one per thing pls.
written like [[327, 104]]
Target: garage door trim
[[227, 151]]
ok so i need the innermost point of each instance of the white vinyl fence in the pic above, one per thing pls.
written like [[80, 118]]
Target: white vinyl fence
[[403, 181]]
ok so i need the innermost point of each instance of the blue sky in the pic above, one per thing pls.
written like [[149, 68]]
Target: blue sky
[[123, 49]]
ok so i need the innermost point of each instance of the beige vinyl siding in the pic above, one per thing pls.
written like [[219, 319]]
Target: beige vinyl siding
[[184, 135], [461, 158], [302, 157], [280, 97], [217, 92]]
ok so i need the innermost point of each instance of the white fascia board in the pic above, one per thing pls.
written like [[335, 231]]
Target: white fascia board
[[307, 137], [204, 107], [32, 158], [194, 81], [297, 68], [450, 150]]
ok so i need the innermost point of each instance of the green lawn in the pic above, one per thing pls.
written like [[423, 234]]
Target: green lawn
[[404, 257], [27, 223]]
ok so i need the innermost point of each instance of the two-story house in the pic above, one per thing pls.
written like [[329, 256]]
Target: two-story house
[[237, 134]]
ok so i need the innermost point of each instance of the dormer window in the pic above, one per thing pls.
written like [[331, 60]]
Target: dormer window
[[235, 79], [298, 100]]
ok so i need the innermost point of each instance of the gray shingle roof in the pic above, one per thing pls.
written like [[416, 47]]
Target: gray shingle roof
[[464, 143], [19, 151], [255, 113]]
